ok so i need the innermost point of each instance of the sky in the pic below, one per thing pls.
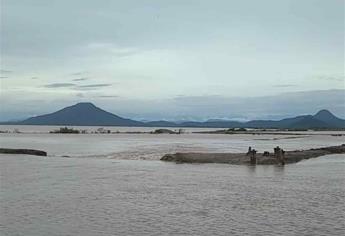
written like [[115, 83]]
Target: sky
[[173, 60]]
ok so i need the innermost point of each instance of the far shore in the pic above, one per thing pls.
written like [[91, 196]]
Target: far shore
[[268, 132], [185, 130]]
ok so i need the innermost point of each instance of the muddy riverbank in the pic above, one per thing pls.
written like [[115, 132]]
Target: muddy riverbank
[[243, 158]]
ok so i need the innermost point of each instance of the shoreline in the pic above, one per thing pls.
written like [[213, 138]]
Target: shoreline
[[244, 159]]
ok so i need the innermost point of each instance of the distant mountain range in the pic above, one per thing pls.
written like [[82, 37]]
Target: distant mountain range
[[87, 114]]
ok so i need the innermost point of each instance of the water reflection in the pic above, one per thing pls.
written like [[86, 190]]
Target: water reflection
[[278, 170], [256, 170], [251, 169]]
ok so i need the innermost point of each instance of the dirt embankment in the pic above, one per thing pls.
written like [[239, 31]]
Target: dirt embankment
[[243, 158], [23, 151]]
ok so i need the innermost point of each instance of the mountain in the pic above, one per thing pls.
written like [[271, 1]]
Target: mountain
[[81, 114], [212, 124], [327, 117], [87, 114], [321, 120], [298, 122], [309, 122]]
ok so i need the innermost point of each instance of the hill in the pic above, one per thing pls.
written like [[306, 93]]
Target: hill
[[323, 119], [81, 114], [327, 117]]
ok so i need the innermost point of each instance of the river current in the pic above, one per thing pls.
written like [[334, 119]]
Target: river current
[[122, 188]]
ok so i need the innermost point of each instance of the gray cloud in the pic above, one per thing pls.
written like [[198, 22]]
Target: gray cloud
[[331, 78], [222, 47], [267, 107], [79, 73], [94, 86], [81, 79], [77, 87], [59, 85], [284, 85], [108, 96], [5, 71], [3, 77], [34, 77]]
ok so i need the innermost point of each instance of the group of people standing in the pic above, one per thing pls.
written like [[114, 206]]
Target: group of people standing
[[279, 154]]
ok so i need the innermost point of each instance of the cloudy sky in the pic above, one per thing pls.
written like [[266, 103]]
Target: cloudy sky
[[176, 59]]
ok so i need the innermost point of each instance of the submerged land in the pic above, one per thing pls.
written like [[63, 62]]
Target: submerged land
[[265, 158], [244, 158], [22, 151]]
